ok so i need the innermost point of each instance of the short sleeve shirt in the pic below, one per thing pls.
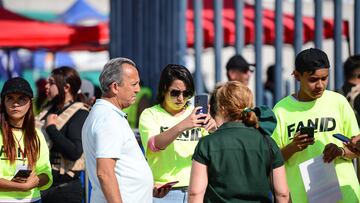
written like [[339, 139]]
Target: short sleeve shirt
[[329, 114], [238, 163], [107, 134]]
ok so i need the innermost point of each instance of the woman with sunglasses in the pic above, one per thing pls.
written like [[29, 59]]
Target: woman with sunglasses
[[170, 131], [22, 148]]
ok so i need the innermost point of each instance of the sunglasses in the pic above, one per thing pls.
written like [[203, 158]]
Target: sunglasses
[[176, 93]]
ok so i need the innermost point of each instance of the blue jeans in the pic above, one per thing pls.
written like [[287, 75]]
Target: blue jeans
[[174, 196]]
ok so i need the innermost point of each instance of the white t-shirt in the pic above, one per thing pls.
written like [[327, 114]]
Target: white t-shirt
[[107, 134]]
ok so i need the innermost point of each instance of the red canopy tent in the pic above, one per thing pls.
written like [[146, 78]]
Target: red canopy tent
[[228, 22], [22, 32], [19, 31]]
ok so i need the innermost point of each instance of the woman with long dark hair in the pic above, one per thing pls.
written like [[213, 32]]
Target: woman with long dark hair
[[22, 147], [171, 129], [64, 117]]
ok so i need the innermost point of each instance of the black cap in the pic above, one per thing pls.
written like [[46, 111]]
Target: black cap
[[310, 60], [17, 85], [238, 62]]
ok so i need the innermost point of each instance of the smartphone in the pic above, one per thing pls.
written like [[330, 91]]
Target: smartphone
[[21, 174], [167, 185], [341, 137], [201, 100], [307, 130]]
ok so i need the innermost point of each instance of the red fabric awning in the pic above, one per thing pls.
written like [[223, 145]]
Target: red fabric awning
[[249, 26], [19, 31]]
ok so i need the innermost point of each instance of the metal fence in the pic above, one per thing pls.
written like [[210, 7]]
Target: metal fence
[[154, 33]]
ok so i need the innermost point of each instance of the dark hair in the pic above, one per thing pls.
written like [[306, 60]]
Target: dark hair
[[62, 76], [213, 101], [170, 73], [310, 60], [352, 63], [237, 100], [31, 139], [270, 79]]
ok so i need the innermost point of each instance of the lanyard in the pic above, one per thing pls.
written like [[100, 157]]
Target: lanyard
[[22, 152]]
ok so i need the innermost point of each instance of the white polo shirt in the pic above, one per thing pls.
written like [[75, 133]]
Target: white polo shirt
[[106, 134]]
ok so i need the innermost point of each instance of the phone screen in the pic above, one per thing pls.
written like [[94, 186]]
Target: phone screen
[[201, 100], [341, 137], [22, 174]]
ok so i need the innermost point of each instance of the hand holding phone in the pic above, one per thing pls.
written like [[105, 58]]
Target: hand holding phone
[[307, 130], [21, 176], [341, 137], [167, 185], [201, 100]]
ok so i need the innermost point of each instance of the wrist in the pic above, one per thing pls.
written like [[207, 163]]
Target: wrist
[[295, 148], [24, 187], [342, 151]]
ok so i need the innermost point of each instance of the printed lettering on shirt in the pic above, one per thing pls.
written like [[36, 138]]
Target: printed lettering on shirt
[[324, 124], [189, 135], [3, 155]]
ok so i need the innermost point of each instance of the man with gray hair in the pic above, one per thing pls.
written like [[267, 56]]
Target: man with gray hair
[[116, 166]]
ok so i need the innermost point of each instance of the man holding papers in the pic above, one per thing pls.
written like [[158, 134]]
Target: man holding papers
[[328, 113]]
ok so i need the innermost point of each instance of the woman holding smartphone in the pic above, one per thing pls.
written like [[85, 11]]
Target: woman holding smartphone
[[170, 131], [23, 148]]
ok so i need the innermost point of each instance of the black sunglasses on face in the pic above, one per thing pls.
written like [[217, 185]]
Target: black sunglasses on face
[[176, 93]]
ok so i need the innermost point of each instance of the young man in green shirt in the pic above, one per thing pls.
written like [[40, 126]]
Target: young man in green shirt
[[329, 113]]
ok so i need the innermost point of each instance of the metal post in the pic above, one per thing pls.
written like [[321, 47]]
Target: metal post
[[182, 32], [339, 77], [198, 5], [279, 32], [319, 27], [115, 28], [258, 52], [298, 32], [357, 27], [219, 36], [239, 23]]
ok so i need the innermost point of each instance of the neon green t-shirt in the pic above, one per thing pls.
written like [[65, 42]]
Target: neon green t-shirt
[[174, 162], [330, 114], [132, 110], [7, 170]]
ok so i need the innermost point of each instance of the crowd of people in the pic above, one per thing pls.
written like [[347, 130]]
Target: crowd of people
[[235, 153]]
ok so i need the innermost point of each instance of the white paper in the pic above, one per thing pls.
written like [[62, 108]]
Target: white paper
[[320, 181]]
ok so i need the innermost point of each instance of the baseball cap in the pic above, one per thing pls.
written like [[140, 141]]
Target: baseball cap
[[238, 62], [311, 60], [17, 85]]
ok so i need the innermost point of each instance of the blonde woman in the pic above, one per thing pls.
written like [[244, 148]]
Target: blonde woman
[[233, 163]]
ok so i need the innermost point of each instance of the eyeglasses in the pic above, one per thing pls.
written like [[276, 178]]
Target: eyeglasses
[[176, 93]]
